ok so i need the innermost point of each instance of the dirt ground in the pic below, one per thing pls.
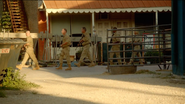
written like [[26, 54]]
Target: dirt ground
[[90, 86]]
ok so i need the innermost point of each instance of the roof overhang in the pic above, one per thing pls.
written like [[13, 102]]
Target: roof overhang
[[150, 9]]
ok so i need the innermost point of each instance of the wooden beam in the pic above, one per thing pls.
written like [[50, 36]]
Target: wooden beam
[[76, 39], [23, 35], [42, 35]]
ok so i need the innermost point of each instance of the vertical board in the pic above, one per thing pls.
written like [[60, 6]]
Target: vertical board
[[99, 52]]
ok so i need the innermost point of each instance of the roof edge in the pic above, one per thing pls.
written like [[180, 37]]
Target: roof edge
[[150, 9]]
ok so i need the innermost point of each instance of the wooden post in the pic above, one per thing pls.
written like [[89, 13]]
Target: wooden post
[[93, 31], [3, 33], [101, 52]]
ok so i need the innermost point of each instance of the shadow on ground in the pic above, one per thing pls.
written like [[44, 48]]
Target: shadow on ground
[[97, 72], [16, 97]]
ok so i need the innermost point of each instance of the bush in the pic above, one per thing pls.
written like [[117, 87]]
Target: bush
[[2, 94], [13, 80], [153, 53], [5, 21]]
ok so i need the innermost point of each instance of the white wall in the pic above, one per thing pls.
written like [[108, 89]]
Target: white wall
[[59, 21], [119, 20], [79, 21]]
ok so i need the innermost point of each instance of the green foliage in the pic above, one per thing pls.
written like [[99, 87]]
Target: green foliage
[[14, 81], [2, 94], [5, 21], [145, 72], [80, 50], [5, 13], [152, 53], [0, 25], [34, 92]]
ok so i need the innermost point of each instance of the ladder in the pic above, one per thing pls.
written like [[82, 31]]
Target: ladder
[[18, 15]]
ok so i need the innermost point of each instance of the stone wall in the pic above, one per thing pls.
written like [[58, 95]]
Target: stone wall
[[31, 8], [1, 11], [1, 8]]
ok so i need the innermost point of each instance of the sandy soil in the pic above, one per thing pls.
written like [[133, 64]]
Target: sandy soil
[[90, 86]]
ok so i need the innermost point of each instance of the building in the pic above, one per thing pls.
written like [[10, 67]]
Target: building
[[98, 16]]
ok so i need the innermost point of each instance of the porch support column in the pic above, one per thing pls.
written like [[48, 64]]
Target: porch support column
[[156, 23], [93, 24], [156, 20], [94, 35], [47, 21], [178, 37], [47, 46]]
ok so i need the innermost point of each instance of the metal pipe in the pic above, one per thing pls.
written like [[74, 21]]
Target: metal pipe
[[108, 61], [139, 27], [124, 47], [138, 65], [138, 43], [140, 57], [132, 48], [94, 35], [56, 36], [158, 42], [140, 50], [156, 19], [159, 47]]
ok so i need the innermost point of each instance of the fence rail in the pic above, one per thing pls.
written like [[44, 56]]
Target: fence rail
[[160, 45]]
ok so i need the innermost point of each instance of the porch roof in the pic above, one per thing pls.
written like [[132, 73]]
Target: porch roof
[[108, 10], [70, 6], [105, 4]]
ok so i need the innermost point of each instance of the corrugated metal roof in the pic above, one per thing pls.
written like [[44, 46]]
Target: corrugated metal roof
[[105, 4]]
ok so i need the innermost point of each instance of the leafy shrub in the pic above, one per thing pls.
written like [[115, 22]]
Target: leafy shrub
[[5, 21], [153, 53], [13, 80]]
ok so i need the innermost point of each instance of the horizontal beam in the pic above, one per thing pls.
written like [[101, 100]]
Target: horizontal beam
[[42, 35], [23, 35], [140, 65], [75, 39]]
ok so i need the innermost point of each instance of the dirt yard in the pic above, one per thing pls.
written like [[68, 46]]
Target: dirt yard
[[90, 86]]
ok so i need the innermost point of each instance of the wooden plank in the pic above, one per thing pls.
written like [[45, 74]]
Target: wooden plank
[[42, 35], [11, 2], [22, 25], [18, 29], [17, 23], [15, 8], [16, 14], [13, 5], [17, 19], [23, 35], [16, 11], [77, 39]]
